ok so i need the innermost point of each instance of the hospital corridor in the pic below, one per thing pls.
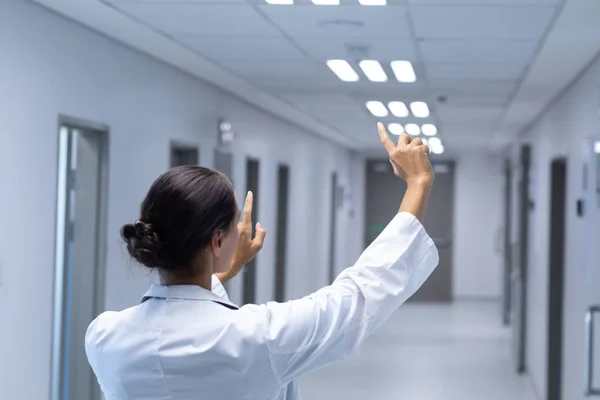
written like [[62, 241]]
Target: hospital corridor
[[299, 199], [456, 351]]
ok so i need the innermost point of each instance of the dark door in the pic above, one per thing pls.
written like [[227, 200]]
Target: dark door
[[224, 163], [183, 155], [519, 273], [507, 247], [384, 193], [283, 174], [332, 222], [558, 188], [249, 287]]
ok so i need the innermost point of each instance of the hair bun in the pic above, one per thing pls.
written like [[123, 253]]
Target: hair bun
[[143, 244]]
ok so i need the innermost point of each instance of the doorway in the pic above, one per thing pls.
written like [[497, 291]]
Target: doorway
[[506, 304], [249, 286], [519, 264], [79, 255], [384, 192], [224, 163], [184, 155], [283, 174], [558, 189]]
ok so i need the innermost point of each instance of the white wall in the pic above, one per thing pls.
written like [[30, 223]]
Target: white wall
[[53, 66], [560, 132], [478, 211]]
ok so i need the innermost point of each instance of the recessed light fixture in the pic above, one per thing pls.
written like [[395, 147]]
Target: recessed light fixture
[[429, 129], [412, 129], [373, 70], [343, 70], [377, 108], [597, 147], [373, 2], [419, 109], [403, 70], [435, 141], [438, 149], [398, 108], [282, 2], [395, 129], [326, 2], [436, 146]]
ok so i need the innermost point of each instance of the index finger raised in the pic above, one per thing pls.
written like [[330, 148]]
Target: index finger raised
[[385, 138], [247, 217]]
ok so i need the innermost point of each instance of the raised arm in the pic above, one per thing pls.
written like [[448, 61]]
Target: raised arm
[[325, 327]]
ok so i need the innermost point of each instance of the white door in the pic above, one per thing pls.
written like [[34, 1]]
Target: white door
[[590, 274]]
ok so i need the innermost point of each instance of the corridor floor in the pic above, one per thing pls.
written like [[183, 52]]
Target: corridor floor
[[428, 352]]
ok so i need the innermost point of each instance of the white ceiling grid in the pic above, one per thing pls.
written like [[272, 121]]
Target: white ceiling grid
[[473, 52]]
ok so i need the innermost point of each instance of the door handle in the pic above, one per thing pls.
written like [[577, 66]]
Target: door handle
[[590, 390]]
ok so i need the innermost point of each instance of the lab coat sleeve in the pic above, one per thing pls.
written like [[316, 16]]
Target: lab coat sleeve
[[325, 327], [218, 288]]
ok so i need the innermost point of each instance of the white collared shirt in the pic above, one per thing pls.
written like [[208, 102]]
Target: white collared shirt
[[188, 343]]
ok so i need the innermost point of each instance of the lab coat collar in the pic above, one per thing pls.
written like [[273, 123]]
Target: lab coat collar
[[184, 292]]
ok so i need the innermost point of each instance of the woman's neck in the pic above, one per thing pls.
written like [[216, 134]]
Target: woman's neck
[[204, 280]]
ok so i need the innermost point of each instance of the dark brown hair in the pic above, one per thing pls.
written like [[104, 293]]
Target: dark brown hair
[[184, 208]]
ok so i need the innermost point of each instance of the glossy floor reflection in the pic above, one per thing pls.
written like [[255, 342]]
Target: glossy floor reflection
[[428, 352]]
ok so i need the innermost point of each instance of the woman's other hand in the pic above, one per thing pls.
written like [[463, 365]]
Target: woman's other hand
[[410, 158]]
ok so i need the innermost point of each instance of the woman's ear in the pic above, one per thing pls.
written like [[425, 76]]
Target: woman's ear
[[217, 243]]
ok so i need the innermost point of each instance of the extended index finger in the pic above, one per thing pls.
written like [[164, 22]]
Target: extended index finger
[[385, 138], [247, 217]]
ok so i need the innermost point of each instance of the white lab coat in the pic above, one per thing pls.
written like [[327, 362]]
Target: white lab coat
[[187, 343]]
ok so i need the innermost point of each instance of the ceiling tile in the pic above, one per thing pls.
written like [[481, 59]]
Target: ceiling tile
[[487, 51], [475, 71], [388, 91], [284, 86], [328, 101], [342, 21], [485, 2], [459, 93], [482, 22], [201, 19], [309, 3], [467, 134], [479, 115], [203, 2], [276, 69], [244, 48], [458, 87], [341, 48], [478, 101]]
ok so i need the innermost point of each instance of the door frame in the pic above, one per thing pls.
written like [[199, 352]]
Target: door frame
[[64, 183]]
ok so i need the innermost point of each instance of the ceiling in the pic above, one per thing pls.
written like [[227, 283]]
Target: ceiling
[[472, 58]]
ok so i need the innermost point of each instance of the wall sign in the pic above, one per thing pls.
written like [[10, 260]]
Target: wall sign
[[225, 134]]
